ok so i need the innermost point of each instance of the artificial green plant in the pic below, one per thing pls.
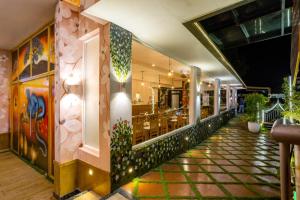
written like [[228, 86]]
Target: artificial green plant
[[294, 99], [254, 104]]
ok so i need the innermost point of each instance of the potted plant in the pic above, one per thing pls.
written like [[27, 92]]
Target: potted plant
[[254, 104]]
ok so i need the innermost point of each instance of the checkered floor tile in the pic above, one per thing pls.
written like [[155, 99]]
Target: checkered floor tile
[[231, 164]]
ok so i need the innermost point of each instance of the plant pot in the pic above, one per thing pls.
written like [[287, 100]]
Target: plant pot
[[253, 127]]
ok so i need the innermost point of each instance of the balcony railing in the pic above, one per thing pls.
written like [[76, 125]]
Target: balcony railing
[[287, 135]]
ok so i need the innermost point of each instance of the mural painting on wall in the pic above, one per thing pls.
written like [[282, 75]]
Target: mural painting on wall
[[52, 48], [14, 65], [34, 106], [24, 61], [15, 117], [40, 53]]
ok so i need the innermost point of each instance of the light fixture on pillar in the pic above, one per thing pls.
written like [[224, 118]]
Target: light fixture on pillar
[[170, 73], [159, 81], [142, 84], [189, 80], [172, 84]]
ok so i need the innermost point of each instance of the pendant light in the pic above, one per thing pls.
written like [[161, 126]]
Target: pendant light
[[142, 84]]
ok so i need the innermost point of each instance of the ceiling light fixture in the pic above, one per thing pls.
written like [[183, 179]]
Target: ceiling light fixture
[[153, 65]]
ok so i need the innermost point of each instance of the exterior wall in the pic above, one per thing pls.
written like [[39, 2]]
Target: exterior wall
[[5, 71]]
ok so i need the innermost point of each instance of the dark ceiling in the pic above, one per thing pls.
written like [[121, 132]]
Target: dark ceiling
[[256, 40], [252, 22]]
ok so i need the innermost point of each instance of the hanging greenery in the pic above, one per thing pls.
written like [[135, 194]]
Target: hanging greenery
[[120, 49]]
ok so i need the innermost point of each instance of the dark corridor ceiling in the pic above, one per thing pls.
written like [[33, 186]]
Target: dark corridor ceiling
[[252, 22], [256, 39]]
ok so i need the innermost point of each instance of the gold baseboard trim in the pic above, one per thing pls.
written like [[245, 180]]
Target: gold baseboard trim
[[4, 141], [77, 174]]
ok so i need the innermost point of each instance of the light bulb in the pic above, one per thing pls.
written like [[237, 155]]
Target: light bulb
[[170, 74], [142, 84], [189, 80], [172, 87], [159, 85]]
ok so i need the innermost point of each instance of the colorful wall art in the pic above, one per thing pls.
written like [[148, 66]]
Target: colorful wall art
[[36, 56], [40, 53], [52, 48], [15, 116], [14, 57], [34, 119], [24, 61]]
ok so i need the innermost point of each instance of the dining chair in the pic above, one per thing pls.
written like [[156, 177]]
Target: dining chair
[[163, 125], [154, 128], [138, 133]]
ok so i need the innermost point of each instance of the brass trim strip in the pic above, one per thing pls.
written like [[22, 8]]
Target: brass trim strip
[[202, 36]]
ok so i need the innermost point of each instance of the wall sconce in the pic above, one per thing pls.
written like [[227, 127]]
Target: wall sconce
[[72, 81], [122, 86], [91, 172]]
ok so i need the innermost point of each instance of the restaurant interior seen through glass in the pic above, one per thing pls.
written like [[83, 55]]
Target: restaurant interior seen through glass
[[160, 94]]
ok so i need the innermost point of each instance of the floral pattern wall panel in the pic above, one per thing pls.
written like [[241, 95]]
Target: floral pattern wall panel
[[69, 26], [5, 69]]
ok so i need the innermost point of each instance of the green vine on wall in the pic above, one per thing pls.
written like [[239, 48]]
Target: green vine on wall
[[121, 148], [120, 49]]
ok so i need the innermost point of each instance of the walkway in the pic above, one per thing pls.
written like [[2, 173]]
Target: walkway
[[20, 181], [232, 164]]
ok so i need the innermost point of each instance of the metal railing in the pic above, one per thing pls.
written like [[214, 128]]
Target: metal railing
[[272, 114], [287, 135]]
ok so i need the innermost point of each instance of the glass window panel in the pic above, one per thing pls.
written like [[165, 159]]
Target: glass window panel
[[207, 100], [160, 94]]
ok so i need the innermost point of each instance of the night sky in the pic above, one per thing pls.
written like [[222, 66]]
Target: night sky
[[263, 63]]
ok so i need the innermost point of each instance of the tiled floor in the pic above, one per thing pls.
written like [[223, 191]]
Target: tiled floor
[[232, 164]]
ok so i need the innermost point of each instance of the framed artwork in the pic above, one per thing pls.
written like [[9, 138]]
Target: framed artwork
[[40, 53], [52, 48], [24, 61], [14, 65], [15, 117], [34, 122]]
